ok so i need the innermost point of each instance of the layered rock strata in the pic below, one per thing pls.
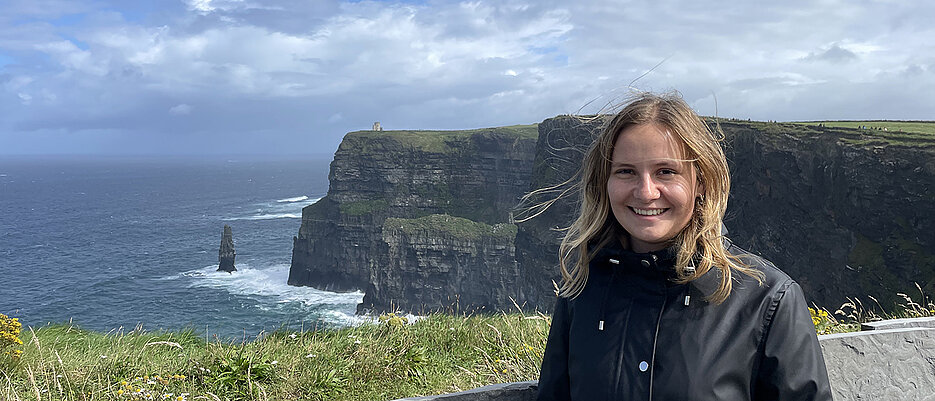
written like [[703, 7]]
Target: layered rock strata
[[443, 263]]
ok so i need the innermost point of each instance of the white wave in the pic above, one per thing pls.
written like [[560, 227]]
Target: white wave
[[290, 200], [267, 217], [270, 282], [290, 208]]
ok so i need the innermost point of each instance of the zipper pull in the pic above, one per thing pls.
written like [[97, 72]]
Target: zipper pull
[[687, 299], [600, 325]]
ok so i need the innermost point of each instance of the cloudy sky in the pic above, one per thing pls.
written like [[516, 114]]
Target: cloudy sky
[[292, 76]]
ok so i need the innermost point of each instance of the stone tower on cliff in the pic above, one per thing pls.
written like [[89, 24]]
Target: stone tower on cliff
[[226, 253]]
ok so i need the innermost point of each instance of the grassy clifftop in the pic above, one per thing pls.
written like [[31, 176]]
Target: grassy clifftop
[[432, 141], [451, 225]]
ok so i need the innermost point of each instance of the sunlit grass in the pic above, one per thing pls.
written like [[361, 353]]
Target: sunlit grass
[[384, 360], [919, 127], [393, 357]]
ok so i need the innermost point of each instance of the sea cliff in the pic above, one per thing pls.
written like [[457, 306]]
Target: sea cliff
[[475, 175], [424, 220]]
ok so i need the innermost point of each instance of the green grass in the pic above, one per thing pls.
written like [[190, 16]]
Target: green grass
[[432, 141], [902, 133], [363, 207], [918, 127], [380, 361], [456, 226], [383, 360]]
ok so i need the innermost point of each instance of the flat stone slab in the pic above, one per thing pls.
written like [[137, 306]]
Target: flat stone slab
[[892, 364], [518, 391], [928, 322]]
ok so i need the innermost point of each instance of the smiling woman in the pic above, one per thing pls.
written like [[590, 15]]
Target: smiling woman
[[655, 301]]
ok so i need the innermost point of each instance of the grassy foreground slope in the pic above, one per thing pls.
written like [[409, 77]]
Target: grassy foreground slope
[[389, 359], [386, 360]]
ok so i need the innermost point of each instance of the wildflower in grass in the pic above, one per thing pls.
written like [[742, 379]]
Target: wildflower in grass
[[311, 356], [822, 320], [10, 329], [293, 336]]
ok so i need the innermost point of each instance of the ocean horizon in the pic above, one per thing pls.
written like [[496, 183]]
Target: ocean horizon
[[119, 242]]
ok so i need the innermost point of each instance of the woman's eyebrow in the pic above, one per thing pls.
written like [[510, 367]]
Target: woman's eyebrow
[[654, 162]]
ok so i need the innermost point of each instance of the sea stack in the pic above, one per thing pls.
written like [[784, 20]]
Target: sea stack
[[226, 253]]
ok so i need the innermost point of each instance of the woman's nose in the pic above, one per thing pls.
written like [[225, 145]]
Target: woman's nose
[[646, 190]]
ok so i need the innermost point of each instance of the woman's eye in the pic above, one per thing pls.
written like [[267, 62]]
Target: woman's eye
[[667, 171], [625, 171]]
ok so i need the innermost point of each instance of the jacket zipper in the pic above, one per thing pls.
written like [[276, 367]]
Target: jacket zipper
[[652, 365]]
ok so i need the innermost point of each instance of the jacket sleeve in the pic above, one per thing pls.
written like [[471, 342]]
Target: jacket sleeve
[[553, 377], [792, 366]]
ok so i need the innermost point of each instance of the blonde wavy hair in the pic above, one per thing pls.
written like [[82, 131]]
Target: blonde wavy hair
[[700, 243]]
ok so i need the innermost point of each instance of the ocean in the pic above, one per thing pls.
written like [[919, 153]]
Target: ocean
[[109, 243]]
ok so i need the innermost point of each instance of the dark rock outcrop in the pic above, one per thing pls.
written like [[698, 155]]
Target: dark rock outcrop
[[226, 253], [844, 212], [431, 264]]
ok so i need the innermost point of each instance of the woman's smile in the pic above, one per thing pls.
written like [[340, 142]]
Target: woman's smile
[[648, 212]]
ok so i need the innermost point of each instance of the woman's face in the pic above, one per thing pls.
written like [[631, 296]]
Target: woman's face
[[652, 189]]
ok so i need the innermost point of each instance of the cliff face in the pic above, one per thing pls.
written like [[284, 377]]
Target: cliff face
[[441, 262], [845, 212], [477, 175]]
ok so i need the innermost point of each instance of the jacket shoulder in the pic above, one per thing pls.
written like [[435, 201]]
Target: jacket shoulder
[[772, 276]]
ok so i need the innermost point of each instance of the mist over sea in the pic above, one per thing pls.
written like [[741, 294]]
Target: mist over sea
[[116, 242]]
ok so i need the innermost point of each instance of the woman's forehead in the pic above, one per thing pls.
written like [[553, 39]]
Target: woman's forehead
[[649, 143]]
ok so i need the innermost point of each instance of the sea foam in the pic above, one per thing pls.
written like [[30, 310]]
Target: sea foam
[[296, 199], [268, 285]]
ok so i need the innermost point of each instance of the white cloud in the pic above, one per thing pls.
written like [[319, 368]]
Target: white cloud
[[331, 66], [180, 109]]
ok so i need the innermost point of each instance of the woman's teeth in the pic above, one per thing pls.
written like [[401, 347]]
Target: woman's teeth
[[648, 212]]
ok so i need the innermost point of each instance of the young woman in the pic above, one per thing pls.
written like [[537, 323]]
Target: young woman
[[655, 302]]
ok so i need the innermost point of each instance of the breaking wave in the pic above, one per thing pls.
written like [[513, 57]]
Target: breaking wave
[[290, 200], [268, 285]]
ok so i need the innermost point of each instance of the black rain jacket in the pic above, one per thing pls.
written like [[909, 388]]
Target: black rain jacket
[[633, 334]]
